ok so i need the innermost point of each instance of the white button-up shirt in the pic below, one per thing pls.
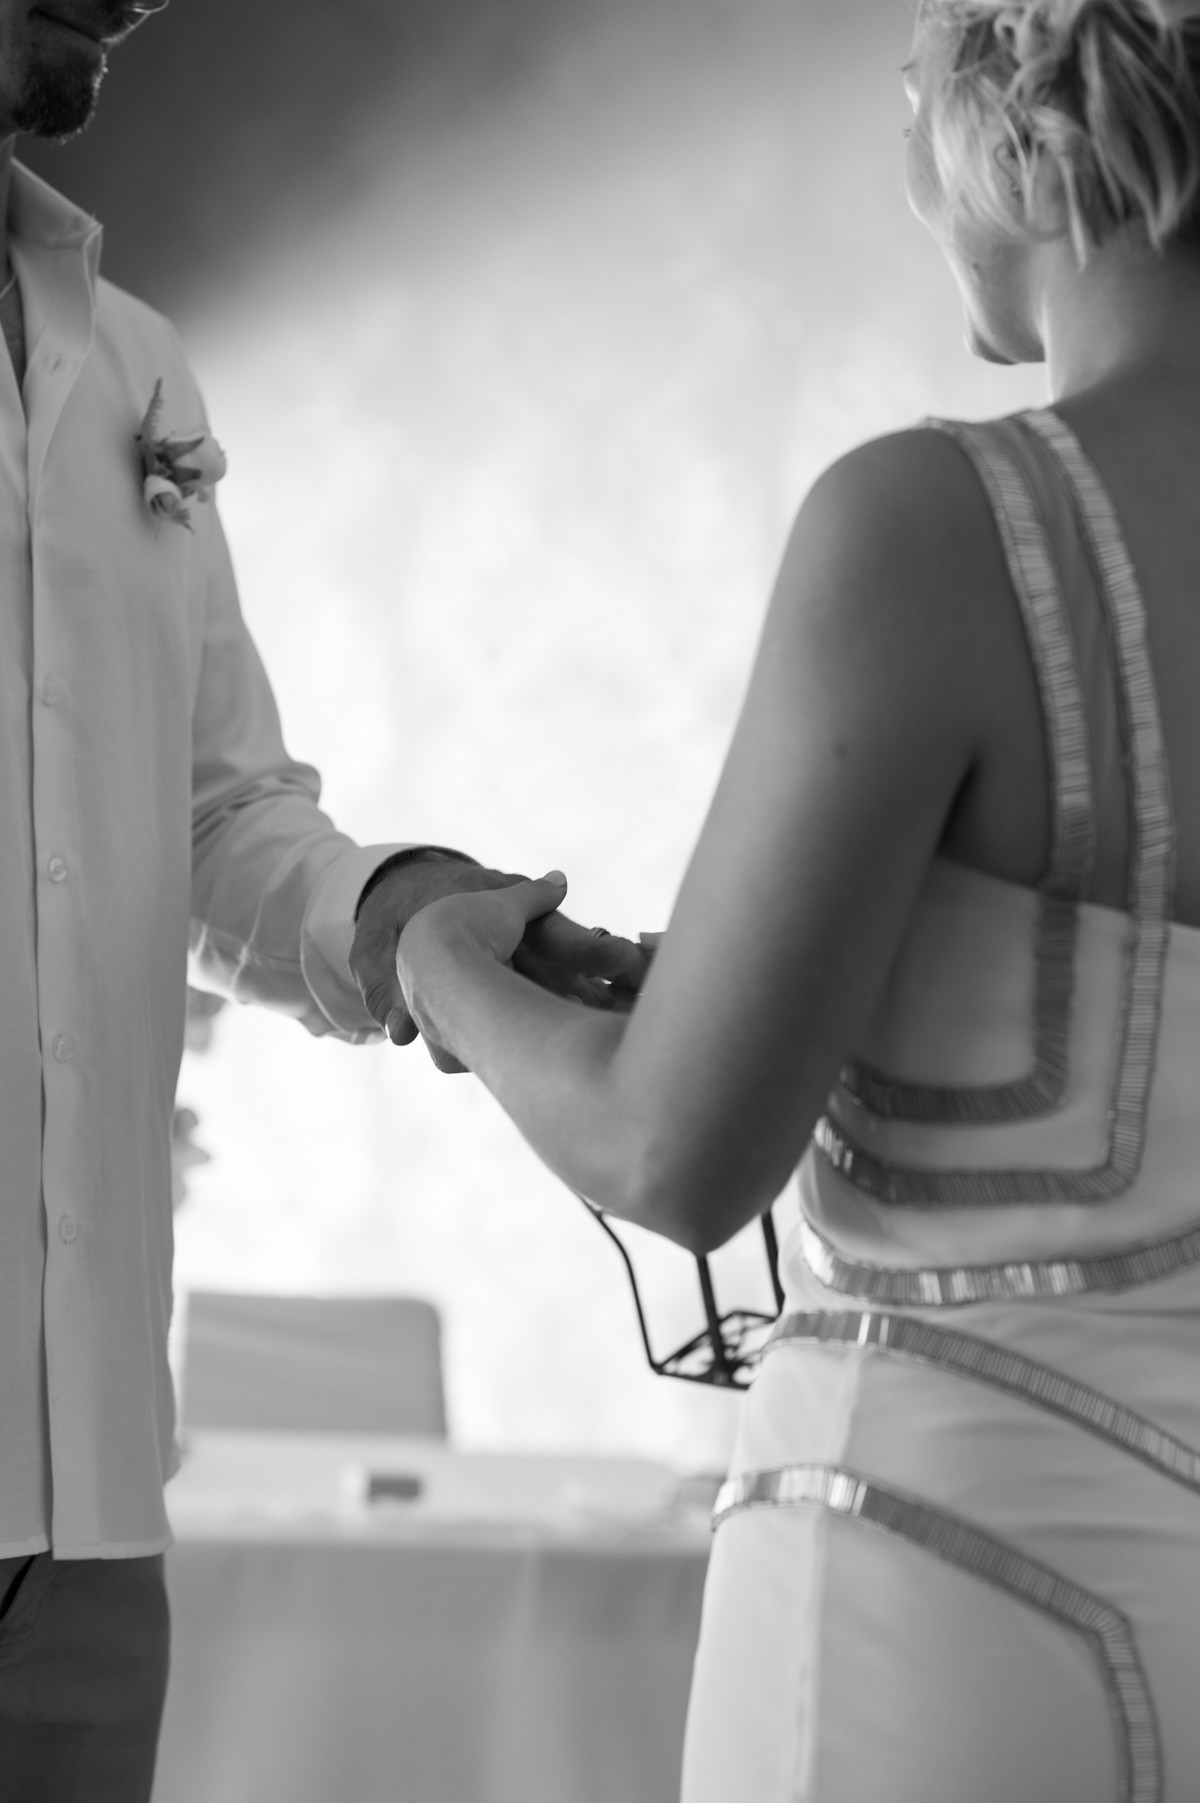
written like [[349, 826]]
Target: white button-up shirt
[[145, 796]]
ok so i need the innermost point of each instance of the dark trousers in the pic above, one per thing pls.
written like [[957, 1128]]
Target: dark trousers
[[83, 1675]]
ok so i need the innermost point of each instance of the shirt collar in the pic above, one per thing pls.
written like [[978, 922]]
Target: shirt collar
[[39, 214]]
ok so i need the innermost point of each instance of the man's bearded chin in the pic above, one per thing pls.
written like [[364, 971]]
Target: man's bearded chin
[[57, 99], [58, 102]]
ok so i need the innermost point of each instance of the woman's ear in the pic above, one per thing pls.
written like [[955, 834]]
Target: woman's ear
[[1005, 155], [1042, 199]]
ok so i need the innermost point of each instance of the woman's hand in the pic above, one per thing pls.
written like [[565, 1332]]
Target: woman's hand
[[445, 946]]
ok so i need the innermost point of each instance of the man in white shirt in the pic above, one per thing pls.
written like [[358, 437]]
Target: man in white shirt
[[146, 801]]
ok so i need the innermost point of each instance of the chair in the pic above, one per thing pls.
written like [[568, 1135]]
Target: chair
[[321, 1364]]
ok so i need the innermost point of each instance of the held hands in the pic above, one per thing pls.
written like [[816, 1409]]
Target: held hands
[[460, 930], [515, 920]]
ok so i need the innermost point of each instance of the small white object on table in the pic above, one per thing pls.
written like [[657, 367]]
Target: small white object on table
[[484, 1628]]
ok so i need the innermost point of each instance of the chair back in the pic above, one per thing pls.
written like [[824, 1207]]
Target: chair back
[[321, 1364]]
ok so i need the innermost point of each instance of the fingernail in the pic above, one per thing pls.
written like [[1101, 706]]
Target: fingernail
[[555, 876]]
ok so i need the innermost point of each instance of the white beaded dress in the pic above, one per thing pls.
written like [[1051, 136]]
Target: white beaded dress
[[957, 1559]]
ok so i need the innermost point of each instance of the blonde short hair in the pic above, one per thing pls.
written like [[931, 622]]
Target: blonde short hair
[[1107, 89]]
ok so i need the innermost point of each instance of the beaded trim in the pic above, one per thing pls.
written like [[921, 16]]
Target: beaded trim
[[907, 1186], [1073, 827], [956, 1542], [950, 1286], [1152, 858], [1150, 895], [1003, 1369]]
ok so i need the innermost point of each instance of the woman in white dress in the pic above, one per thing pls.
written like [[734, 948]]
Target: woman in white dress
[[939, 947]]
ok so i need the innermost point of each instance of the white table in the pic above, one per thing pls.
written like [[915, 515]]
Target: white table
[[520, 1632]]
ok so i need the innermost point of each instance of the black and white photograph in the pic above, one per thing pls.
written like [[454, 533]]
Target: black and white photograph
[[599, 901]]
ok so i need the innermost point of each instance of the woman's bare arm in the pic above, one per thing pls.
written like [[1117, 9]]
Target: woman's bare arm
[[861, 725]]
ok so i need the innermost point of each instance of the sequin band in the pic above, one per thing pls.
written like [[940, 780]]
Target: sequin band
[[926, 1188], [1152, 859], [966, 1354], [949, 1286], [958, 1543]]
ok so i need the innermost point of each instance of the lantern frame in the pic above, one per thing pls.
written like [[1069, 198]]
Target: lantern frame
[[727, 1349]]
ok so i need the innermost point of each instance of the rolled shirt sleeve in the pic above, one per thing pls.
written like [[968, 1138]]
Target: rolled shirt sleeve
[[274, 883]]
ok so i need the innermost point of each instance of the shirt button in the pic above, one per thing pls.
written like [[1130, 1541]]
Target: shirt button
[[56, 870], [68, 1229], [51, 693], [64, 1048]]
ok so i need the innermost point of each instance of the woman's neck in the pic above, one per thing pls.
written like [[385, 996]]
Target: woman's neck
[[1131, 319]]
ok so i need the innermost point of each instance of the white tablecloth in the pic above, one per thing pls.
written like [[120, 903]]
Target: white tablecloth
[[520, 1632]]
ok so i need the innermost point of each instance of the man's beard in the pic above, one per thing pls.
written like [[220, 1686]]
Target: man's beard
[[58, 93], [57, 102]]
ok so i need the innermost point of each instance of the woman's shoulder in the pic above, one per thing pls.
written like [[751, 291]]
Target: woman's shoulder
[[904, 516], [897, 563], [919, 477]]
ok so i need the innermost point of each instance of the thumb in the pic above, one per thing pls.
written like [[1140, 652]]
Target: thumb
[[400, 1026], [540, 895]]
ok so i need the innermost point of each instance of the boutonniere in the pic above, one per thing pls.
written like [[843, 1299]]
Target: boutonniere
[[177, 467]]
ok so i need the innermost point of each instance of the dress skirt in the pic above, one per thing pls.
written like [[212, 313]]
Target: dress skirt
[[958, 1559]]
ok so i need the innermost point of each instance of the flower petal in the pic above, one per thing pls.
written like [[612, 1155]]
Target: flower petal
[[204, 463], [165, 499], [158, 488]]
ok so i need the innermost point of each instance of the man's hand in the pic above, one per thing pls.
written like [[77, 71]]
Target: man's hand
[[591, 966]]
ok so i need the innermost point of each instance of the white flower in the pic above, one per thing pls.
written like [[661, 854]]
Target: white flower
[[178, 466], [165, 499], [199, 467]]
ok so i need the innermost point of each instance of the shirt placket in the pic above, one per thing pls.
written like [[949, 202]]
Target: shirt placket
[[67, 1047]]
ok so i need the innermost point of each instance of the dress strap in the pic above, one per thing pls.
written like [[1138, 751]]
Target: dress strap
[[1152, 866], [1043, 609], [1052, 647], [1151, 893]]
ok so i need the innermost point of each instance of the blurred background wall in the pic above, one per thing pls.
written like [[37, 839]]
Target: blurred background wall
[[525, 324]]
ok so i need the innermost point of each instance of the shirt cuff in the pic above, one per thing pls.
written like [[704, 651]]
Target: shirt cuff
[[328, 934], [402, 857]]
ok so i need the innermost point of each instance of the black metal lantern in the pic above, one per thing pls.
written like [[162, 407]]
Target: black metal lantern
[[726, 1350]]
